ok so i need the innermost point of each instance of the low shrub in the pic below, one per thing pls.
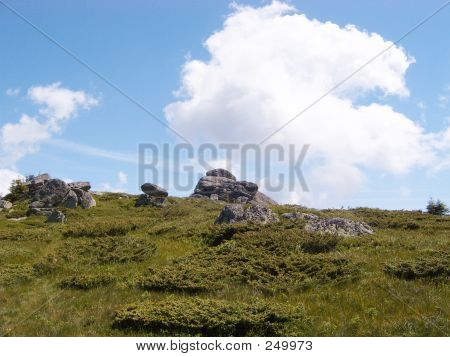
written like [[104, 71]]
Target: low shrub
[[15, 273], [265, 262], [105, 250], [430, 265], [220, 233], [86, 281], [206, 317], [319, 243], [102, 228]]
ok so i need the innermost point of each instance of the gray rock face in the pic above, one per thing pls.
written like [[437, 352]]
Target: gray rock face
[[222, 183], [34, 183], [52, 193], [71, 200], [56, 217], [81, 185], [154, 190], [256, 213], [295, 215], [221, 173], [339, 226], [5, 205]]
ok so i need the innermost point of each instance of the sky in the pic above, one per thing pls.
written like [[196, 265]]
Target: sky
[[222, 72]]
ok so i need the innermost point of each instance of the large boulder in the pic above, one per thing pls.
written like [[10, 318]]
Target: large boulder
[[5, 205], [222, 184], [154, 190], [52, 193], [255, 213]]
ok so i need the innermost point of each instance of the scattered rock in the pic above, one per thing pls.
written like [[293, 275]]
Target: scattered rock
[[292, 216], [339, 226], [81, 185], [56, 217], [214, 197], [5, 205], [256, 213]]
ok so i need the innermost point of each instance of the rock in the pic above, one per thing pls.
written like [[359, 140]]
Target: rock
[[222, 183], [40, 212], [256, 213], [308, 216], [292, 216], [231, 214], [52, 193], [37, 204], [214, 197], [82, 185], [85, 199], [262, 198], [147, 200], [221, 173], [154, 190], [71, 200], [5, 205], [339, 226], [56, 217], [34, 183]]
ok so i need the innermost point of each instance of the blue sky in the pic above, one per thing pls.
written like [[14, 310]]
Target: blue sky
[[141, 46]]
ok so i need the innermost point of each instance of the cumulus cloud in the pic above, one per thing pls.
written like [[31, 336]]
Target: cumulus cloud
[[57, 105], [122, 178], [268, 63]]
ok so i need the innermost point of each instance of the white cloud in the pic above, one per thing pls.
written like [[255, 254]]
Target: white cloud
[[24, 137], [268, 63], [6, 177], [12, 92], [122, 177]]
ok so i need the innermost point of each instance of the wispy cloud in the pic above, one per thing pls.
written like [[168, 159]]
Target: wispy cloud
[[93, 151]]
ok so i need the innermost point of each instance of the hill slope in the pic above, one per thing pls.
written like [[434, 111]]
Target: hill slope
[[120, 270]]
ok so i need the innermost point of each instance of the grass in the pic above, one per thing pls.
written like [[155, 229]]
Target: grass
[[117, 270]]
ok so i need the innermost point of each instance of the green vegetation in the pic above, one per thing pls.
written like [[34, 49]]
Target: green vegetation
[[438, 207], [117, 270]]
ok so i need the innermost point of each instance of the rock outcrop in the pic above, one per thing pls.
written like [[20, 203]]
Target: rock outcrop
[[153, 195], [255, 213], [222, 185], [55, 193]]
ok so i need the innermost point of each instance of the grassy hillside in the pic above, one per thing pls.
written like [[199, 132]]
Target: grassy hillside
[[116, 270]]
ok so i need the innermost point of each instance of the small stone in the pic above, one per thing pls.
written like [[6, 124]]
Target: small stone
[[82, 185], [56, 217], [5, 204], [147, 200], [154, 190], [214, 197], [231, 214]]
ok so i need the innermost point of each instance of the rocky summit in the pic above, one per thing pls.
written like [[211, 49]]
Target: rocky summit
[[222, 185]]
